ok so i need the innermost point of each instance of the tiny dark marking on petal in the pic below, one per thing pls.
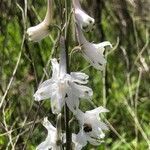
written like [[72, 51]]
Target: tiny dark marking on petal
[[93, 62], [99, 63]]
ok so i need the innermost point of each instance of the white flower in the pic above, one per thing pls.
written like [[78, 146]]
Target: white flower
[[91, 127], [93, 52], [51, 139], [38, 32], [62, 88], [83, 20]]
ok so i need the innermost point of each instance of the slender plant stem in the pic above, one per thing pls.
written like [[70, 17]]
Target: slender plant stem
[[64, 62], [67, 114], [136, 105]]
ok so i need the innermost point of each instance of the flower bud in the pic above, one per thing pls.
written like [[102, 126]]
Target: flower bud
[[40, 31], [85, 22]]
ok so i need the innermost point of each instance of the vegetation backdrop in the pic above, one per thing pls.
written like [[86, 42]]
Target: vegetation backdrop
[[123, 87]]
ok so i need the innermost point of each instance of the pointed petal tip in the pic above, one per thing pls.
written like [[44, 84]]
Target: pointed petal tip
[[108, 44], [54, 60], [45, 119], [38, 32], [36, 97]]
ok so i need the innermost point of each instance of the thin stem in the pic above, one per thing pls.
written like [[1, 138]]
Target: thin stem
[[67, 114], [136, 104], [68, 137], [59, 130], [65, 67], [104, 87], [137, 123], [63, 58]]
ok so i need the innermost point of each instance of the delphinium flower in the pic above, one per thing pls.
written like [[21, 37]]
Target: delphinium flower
[[82, 18], [40, 31], [63, 88], [93, 52], [51, 139], [91, 127]]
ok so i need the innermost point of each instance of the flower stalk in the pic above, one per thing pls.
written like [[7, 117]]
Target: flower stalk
[[59, 130], [67, 113], [64, 59]]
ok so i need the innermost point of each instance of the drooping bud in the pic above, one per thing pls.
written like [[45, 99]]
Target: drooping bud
[[85, 22], [40, 31]]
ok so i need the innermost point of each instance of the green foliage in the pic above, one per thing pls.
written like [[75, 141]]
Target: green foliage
[[21, 116]]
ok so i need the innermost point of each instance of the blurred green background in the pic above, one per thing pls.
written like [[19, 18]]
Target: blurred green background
[[123, 87]]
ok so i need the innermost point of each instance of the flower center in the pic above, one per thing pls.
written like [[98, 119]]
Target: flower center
[[87, 127]]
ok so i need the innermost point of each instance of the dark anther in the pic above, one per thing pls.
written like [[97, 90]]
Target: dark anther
[[58, 142], [87, 127], [85, 27], [66, 95], [90, 21]]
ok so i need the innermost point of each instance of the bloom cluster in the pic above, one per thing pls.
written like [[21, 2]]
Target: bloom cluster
[[64, 88], [69, 88]]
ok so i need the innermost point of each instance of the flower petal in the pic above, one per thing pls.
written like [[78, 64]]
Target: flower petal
[[81, 138], [92, 52], [83, 20], [46, 83], [44, 92], [48, 125], [93, 141], [97, 111], [101, 46], [94, 56], [103, 126], [79, 77], [44, 145], [38, 32], [72, 102], [55, 68], [56, 104], [50, 140], [96, 133], [78, 146], [81, 91]]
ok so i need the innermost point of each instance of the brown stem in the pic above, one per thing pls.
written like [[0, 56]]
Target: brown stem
[[67, 114]]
